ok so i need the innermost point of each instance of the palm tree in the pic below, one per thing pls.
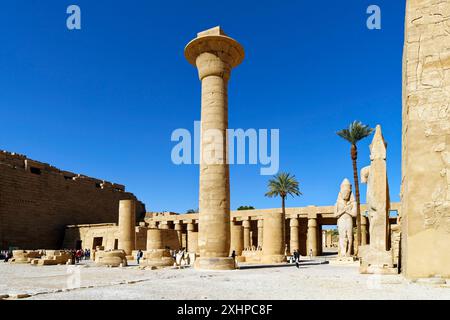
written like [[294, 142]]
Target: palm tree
[[283, 184], [356, 132]]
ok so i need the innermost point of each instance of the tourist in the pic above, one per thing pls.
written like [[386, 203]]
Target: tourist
[[8, 256], [139, 255], [78, 256], [310, 254], [233, 255], [296, 258]]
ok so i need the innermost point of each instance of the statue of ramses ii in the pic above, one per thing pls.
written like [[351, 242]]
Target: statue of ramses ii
[[345, 211]]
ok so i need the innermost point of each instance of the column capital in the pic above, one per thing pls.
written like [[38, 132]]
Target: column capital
[[178, 224], [312, 222], [153, 225], [214, 53], [294, 222]]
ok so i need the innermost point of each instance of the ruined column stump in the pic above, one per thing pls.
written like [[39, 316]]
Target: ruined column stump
[[156, 255], [113, 258]]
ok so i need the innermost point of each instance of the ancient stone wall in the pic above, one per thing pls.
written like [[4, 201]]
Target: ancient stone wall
[[37, 201], [107, 235], [426, 140]]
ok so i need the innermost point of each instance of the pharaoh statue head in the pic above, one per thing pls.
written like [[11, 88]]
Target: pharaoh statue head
[[346, 190]]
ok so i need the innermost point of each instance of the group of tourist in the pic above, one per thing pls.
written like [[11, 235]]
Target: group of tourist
[[181, 257], [80, 254], [5, 255], [77, 255]]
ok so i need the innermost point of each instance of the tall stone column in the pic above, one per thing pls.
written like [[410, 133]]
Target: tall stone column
[[294, 242], [178, 226], [127, 225], [312, 236], [364, 231], [319, 240], [192, 237], [237, 238], [247, 240], [303, 228], [273, 243], [260, 233], [324, 239], [214, 54]]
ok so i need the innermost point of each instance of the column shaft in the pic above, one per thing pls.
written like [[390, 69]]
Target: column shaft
[[364, 231], [127, 224], [237, 239], [260, 233], [312, 237], [294, 241], [179, 228], [214, 54], [246, 226]]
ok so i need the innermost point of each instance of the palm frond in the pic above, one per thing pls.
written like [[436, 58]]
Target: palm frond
[[283, 184], [356, 131]]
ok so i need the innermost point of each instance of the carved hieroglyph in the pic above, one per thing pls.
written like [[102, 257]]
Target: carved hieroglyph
[[345, 211], [214, 54], [426, 140]]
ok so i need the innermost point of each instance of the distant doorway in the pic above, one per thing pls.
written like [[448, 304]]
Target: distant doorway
[[78, 244], [116, 244], [98, 242]]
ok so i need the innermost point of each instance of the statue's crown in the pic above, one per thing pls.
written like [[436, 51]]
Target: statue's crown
[[346, 183]]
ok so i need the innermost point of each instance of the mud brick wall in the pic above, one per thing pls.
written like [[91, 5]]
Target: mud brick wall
[[37, 201]]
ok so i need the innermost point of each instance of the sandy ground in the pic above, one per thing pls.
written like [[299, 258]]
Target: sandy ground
[[313, 280]]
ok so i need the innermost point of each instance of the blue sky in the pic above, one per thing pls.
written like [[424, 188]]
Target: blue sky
[[104, 100]]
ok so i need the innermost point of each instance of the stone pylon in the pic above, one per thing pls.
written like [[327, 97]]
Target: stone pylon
[[214, 54], [425, 211]]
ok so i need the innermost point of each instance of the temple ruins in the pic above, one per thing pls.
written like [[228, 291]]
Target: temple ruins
[[38, 201], [45, 208]]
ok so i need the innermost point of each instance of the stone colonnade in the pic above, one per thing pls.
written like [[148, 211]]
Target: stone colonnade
[[261, 230], [252, 233]]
